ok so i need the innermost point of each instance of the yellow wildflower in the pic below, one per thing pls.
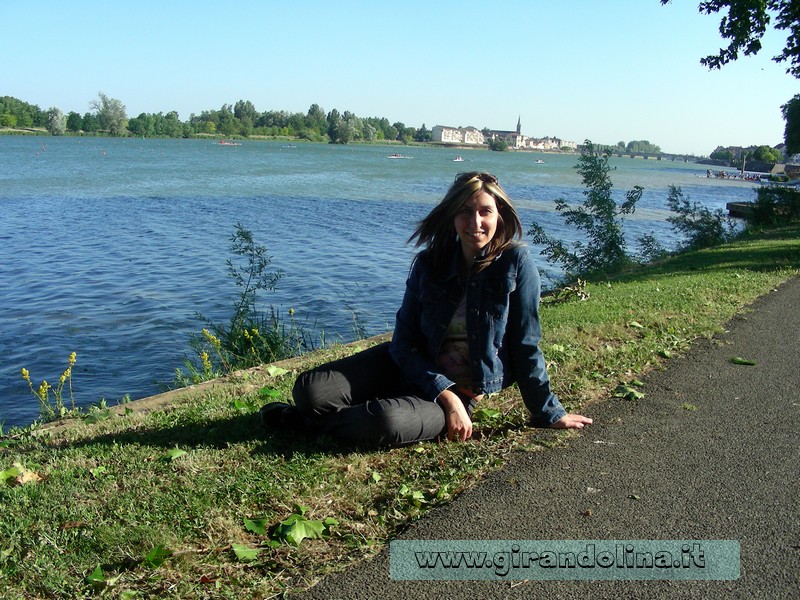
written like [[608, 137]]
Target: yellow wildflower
[[25, 374], [211, 338], [206, 361]]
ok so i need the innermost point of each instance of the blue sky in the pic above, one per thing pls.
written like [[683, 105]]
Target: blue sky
[[608, 71]]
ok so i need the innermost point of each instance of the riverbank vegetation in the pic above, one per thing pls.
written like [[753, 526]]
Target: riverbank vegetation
[[192, 499]]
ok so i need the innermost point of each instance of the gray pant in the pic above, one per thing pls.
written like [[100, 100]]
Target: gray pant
[[364, 399]]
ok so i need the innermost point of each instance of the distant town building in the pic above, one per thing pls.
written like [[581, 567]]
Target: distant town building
[[457, 135], [514, 139]]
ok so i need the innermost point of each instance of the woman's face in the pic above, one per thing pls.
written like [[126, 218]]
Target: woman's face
[[476, 224]]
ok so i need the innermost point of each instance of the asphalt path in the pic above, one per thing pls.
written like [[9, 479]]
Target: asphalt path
[[710, 453]]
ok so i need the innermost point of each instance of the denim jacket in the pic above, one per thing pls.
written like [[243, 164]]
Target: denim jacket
[[503, 329]]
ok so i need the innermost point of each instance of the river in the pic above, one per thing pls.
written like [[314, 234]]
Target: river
[[110, 247]]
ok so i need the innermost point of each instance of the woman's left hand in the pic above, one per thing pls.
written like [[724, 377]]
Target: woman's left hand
[[571, 421]]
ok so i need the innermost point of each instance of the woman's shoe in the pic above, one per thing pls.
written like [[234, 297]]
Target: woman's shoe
[[280, 415]]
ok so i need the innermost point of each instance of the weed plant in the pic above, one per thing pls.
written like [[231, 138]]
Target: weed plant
[[53, 407], [252, 336], [196, 501]]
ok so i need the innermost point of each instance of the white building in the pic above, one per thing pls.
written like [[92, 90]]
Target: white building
[[456, 135]]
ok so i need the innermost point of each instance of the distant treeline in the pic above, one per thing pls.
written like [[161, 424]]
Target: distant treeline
[[237, 120]]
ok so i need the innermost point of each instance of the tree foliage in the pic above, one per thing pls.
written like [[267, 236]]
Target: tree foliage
[[599, 220], [111, 114], [56, 122], [791, 133], [16, 113], [745, 24]]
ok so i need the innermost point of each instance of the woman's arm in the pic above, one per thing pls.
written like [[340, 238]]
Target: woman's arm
[[523, 336]]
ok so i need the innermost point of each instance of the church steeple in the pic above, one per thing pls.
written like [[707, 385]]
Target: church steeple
[[519, 125]]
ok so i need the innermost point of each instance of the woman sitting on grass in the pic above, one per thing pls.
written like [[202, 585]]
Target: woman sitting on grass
[[468, 326]]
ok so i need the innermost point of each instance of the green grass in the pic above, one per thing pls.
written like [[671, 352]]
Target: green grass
[[109, 507]]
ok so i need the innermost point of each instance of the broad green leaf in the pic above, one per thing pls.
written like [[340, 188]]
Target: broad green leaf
[[258, 526], [738, 360], [244, 553], [96, 577], [98, 472], [627, 392], [11, 473], [486, 415], [274, 371], [376, 477], [174, 453], [97, 415], [268, 392], [156, 557], [297, 528], [241, 405], [635, 325]]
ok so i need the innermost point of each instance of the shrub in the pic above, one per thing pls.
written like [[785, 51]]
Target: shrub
[[775, 204], [702, 227], [599, 218]]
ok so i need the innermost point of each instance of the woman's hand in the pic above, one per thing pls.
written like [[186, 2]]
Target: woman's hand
[[459, 425], [571, 421]]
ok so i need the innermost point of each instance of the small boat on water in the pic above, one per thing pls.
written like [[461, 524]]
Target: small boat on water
[[458, 159], [395, 155], [227, 143], [538, 162]]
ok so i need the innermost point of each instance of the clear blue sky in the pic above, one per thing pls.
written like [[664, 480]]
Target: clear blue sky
[[575, 69]]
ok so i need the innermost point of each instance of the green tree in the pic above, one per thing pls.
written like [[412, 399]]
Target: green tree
[[721, 153], [56, 121], [245, 112], [142, 126], [90, 123], [26, 115], [643, 147], [423, 134], [745, 25], [791, 133], [599, 220], [74, 122], [766, 154], [110, 114], [227, 124]]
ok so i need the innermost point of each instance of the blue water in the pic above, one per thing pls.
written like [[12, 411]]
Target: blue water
[[109, 247]]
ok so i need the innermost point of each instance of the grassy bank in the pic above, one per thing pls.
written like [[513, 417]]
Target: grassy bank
[[186, 497]]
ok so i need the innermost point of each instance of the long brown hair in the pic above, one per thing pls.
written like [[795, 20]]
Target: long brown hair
[[437, 231]]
